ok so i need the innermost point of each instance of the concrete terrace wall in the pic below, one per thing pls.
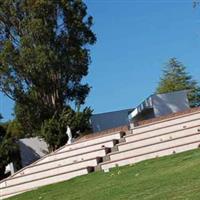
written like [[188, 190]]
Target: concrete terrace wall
[[169, 116], [175, 134], [65, 163]]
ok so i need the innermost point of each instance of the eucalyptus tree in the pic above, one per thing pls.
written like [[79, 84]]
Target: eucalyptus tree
[[44, 55]]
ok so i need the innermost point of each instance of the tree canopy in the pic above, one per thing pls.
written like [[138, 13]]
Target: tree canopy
[[44, 55], [175, 78]]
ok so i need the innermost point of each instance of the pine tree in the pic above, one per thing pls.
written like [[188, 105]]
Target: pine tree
[[176, 78]]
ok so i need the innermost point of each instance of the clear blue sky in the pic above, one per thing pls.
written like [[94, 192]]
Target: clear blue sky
[[135, 40]]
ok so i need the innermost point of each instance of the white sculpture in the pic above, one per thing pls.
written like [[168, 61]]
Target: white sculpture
[[69, 134], [10, 168]]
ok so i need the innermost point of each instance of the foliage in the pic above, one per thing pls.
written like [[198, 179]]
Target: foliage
[[196, 3], [176, 78], [44, 55], [15, 130], [81, 122], [3, 158], [54, 130], [9, 151], [30, 116]]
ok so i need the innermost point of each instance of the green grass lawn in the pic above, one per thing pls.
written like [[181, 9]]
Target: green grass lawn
[[172, 177]]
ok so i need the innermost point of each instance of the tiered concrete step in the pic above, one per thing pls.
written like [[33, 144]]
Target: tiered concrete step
[[63, 161], [156, 146], [67, 162], [174, 135], [12, 194], [85, 150], [108, 140], [165, 130], [50, 172], [15, 186], [142, 139], [79, 151], [167, 123], [68, 157], [150, 155], [96, 140], [153, 150]]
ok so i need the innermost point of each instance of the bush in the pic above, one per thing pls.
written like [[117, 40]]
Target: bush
[[53, 130]]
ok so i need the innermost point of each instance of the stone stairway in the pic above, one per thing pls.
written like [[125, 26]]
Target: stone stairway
[[65, 163], [165, 137], [101, 152]]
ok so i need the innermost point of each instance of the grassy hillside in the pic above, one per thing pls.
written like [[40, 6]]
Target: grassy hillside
[[172, 177]]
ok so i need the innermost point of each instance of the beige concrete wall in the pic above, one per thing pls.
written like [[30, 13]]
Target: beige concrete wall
[[42, 173], [164, 123], [42, 182], [62, 155], [75, 152], [102, 139], [150, 139], [13, 194], [158, 139], [154, 147], [175, 127], [132, 160], [61, 162], [50, 170]]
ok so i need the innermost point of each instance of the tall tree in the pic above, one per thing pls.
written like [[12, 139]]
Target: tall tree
[[176, 78], [44, 55]]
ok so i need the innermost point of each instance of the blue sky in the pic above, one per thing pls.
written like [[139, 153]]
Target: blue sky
[[134, 41]]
